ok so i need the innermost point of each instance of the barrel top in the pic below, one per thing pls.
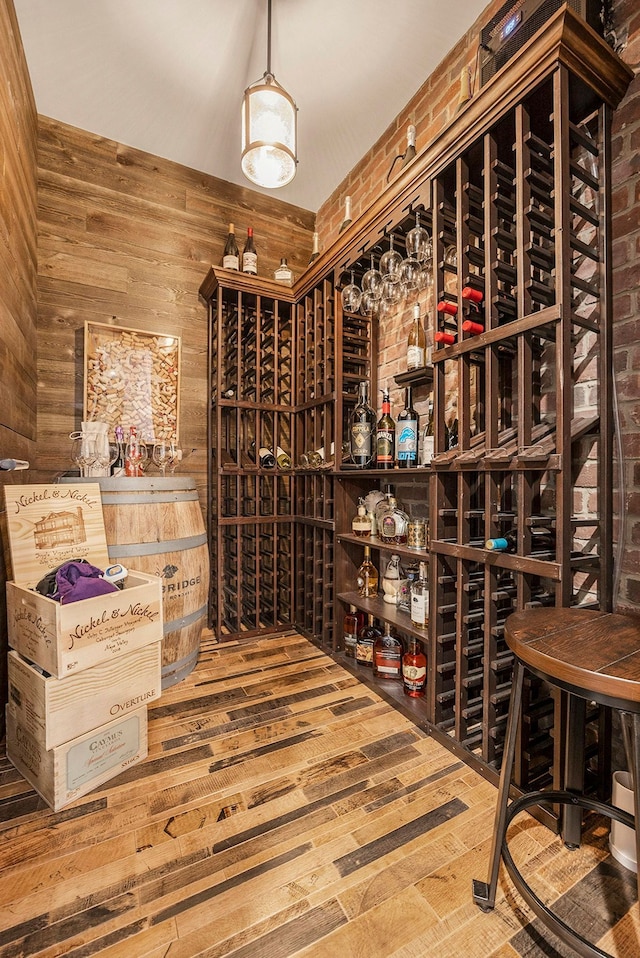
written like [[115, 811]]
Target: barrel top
[[134, 484], [593, 654]]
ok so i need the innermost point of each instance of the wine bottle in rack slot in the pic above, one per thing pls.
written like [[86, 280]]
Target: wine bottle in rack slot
[[231, 255], [385, 435], [363, 430], [416, 342], [428, 449], [283, 458], [250, 254], [407, 431]]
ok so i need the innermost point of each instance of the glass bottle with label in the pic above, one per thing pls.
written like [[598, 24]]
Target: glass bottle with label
[[420, 599], [393, 523], [367, 577], [231, 255], [393, 580], [350, 634], [283, 273], [428, 439], [315, 250], [347, 214], [118, 467], [361, 523], [363, 430], [416, 342], [364, 646], [407, 430], [386, 435], [387, 655], [414, 669], [250, 255], [133, 454]]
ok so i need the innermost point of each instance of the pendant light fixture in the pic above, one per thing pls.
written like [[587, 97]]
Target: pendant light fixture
[[269, 128]]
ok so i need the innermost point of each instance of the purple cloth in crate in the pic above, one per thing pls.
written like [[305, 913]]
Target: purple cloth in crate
[[80, 580]]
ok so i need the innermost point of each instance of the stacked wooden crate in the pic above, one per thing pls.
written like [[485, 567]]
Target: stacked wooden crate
[[80, 674]]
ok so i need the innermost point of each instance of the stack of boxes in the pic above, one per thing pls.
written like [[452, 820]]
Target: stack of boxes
[[80, 674]]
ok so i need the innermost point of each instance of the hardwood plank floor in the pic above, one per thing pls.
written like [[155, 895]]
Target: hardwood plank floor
[[286, 810]]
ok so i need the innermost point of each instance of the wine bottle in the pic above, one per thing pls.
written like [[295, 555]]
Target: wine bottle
[[347, 214], [315, 251], [284, 273], [133, 454], [447, 339], [363, 427], [417, 342], [367, 577], [505, 543], [428, 439], [385, 435], [250, 255], [420, 599], [231, 255], [452, 434], [475, 329], [283, 458], [387, 655], [414, 669], [410, 151], [266, 457], [407, 431], [118, 467]]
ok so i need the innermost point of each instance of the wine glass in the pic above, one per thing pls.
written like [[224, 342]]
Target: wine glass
[[106, 454], [175, 456], [392, 291], [372, 281], [390, 262], [410, 270], [161, 454], [369, 304], [351, 296], [418, 242], [83, 453]]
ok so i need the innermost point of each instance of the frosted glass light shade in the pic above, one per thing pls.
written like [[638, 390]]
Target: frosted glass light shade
[[269, 134]]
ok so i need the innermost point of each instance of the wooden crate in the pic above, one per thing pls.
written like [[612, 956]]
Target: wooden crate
[[52, 524], [55, 710], [63, 774]]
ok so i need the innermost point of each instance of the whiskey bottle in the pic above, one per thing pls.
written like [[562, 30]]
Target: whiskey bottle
[[364, 646], [363, 428], [385, 435], [350, 634], [231, 255], [414, 669], [367, 577], [387, 655], [420, 599], [407, 428], [393, 523], [417, 342], [428, 439]]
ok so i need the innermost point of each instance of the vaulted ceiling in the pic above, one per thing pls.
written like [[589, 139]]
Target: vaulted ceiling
[[167, 76]]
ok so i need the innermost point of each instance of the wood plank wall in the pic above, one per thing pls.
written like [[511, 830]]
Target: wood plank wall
[[18, 310], [126, 238]]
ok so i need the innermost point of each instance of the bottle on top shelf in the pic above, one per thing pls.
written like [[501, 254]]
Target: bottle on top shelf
[[414, 669], [347, 214], [407, 432], [387, 655], [315, 250], [363, 430], [367, 577], [416, 342], [381, 506], [118, 466], [410, 151], [420, 599], [283, 273], [250, 255], [427, 451], [361, 523], [386, 435], [231, 255]]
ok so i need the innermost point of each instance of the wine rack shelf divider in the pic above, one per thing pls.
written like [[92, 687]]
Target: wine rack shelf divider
[[516, 195]]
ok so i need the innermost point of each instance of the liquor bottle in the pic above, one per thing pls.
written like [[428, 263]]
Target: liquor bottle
[[393, 581], [283, 458], [417, 342], [265, 457], [407, 431], [542, 541], [420, 599], [428, 439], [505, 543], [364, 646], [350, 634], [250, 255], [315, 252], [283, 273], [387, 655], [363, 428], [385, 435], [347, 214], [367, 577], [133, 454], [382, 505], [452, 434], [118, 467], [361, 523], [414, 669], [393, 523], [231, 255]]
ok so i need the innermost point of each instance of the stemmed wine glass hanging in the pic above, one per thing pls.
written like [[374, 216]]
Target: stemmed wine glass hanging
[[351, 296]]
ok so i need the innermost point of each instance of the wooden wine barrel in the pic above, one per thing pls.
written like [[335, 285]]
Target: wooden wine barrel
[[156, 526]]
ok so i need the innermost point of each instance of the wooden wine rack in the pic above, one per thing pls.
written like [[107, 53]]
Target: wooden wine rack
[[516, 195]]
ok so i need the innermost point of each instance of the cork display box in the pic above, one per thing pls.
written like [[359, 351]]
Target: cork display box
[[53, 711], [65, 773], [47, 526]]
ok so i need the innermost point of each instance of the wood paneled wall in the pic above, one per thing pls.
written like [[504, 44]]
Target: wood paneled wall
[[126, 238], [18, 298]]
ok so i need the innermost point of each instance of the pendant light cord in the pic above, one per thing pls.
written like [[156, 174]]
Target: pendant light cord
[[269, 38]]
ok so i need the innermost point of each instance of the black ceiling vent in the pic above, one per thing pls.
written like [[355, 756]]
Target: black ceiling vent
[[517, 21]]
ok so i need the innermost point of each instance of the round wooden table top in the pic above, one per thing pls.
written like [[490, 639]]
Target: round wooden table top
[[595, 655]]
